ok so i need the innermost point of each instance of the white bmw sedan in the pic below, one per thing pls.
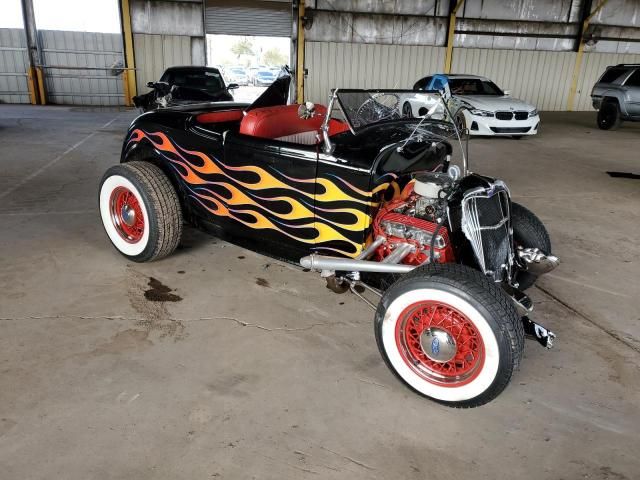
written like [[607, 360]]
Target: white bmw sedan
[[481, 106]]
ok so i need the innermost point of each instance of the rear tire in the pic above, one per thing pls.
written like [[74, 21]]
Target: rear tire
[[609, 115], [140, 211], [528, 232], [450, 334]]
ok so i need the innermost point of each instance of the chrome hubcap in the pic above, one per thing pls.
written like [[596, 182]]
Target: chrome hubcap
[[128, 215], [438, 344]]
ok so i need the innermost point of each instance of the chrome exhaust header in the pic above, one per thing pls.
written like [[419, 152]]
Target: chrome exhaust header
[[322, 262], [536, 261]]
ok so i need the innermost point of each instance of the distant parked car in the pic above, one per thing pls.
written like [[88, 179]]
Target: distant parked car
[[265, 77], [237, 75], [616, 96], [182, 85], [479, 105], [251, 74]]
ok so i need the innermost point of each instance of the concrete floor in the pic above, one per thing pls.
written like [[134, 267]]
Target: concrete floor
[[261, 372]]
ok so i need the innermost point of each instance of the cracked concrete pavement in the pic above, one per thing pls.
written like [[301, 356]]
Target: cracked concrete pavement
[[261, 372]]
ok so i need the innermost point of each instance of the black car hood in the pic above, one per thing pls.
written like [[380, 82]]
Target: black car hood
[[188, 94]]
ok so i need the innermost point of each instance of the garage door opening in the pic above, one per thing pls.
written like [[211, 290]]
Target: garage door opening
[[251, 62], [249, 41]]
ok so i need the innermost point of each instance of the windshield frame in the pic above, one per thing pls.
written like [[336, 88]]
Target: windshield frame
[[442, 98], [336, 94]]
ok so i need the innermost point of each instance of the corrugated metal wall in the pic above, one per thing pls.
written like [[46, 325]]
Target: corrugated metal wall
[[14, 64], [82, 86], [155, 53], [542, 78], [358, 65], [593, 65]]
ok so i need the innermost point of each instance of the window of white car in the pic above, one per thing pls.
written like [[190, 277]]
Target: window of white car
[[474, 86]]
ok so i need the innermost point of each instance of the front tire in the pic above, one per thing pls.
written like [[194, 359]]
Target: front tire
[[450, 334], [609, 115], [528, 232], [407, 112], [461, 123], [140, 211]]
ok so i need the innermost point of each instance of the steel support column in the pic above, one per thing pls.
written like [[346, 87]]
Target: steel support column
[[451, 31], [35, 79], [587, 15], [300, 54], [128, 76]]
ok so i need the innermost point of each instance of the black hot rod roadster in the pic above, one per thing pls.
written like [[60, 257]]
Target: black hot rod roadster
[[365, 196]]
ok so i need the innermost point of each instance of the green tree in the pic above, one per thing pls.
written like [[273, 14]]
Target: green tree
[[242, 47], [275, 57]]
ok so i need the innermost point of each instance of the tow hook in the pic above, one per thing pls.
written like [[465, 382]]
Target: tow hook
[[541, 334]]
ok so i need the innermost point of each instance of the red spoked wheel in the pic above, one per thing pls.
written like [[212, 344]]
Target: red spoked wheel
[[140, 211], [449, 334], [439, 343], [126, 214]]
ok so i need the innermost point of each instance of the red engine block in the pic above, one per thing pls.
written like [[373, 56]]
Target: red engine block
[[421, 253]]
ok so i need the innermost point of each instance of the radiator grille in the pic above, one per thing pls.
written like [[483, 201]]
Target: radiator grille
[[486, 224], [504, 115], [521, 115]]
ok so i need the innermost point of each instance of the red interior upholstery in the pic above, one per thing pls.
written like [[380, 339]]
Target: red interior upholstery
[[220, 116], [280, 121], [337, 126], [276, 122], [283, 121]]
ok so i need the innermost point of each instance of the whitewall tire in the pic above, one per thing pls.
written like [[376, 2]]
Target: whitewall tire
[[140, 211], [450, 334]]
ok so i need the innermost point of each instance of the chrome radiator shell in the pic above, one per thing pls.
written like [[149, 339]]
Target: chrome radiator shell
[[486, 223]]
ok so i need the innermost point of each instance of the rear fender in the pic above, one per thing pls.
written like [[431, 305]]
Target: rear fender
[[144, 151]]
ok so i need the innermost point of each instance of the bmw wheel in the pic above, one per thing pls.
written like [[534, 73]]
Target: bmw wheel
[[140, 211], [461, 123], [450, 334], [406, 110]]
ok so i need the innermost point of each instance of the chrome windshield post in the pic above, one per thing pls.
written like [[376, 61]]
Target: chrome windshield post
[[328, 146]]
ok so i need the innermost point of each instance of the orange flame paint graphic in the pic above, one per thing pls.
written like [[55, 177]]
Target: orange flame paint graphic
[[245, 194]]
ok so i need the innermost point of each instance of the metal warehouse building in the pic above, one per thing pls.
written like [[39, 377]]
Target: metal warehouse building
[[549, 52]]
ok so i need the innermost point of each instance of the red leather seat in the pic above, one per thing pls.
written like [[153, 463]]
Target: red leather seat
[[283, 123]]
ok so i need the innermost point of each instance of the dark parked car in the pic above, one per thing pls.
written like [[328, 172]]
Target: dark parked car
[[185, 85], [616, 96], [366, 196]]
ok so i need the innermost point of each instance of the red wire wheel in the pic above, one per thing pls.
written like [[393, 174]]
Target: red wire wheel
[[126, 214], [440, 344]]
